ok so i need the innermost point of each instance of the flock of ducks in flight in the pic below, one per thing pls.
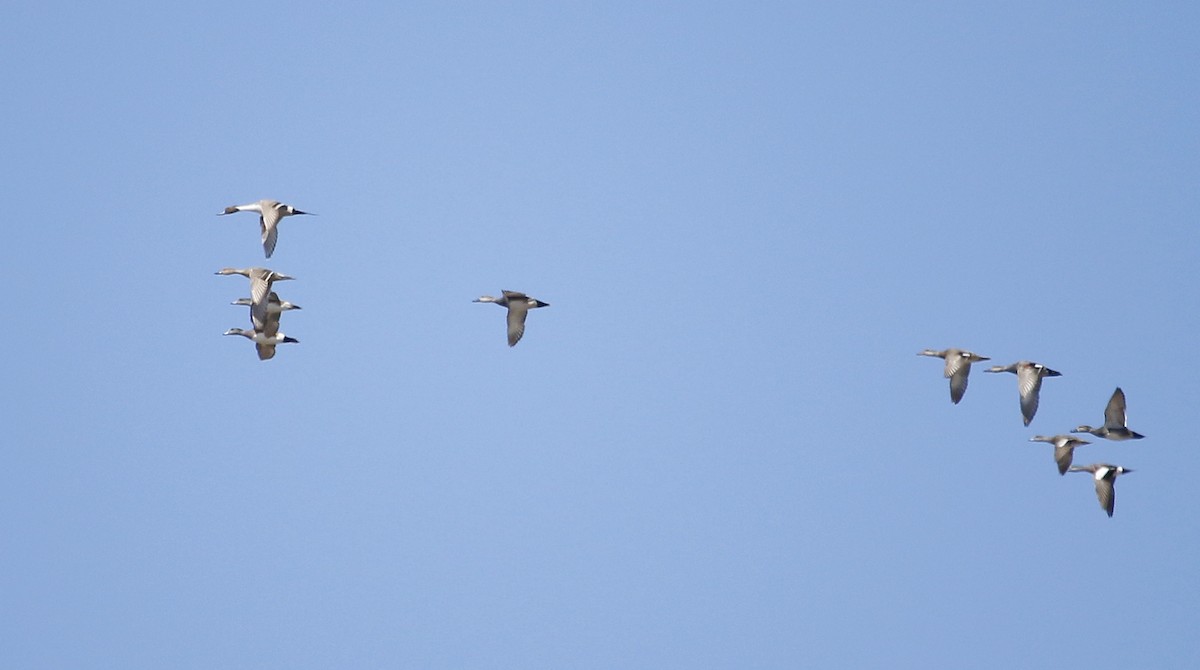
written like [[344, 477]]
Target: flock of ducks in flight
[[266, 307], [1029, 385]]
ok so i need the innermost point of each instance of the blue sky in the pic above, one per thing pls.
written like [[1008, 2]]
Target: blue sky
[[716, 448]]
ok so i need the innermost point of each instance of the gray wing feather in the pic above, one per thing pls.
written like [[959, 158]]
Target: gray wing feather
[[259, 288], [1114, 413], [1107, 495], [517, 311], [267, 222], [954, 361], [1063, 456], [958, 379], [270, 234], [259, 318], [270, 324], [1029, 382]]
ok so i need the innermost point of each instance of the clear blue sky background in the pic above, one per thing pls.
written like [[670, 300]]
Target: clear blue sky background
[[716, 448]]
